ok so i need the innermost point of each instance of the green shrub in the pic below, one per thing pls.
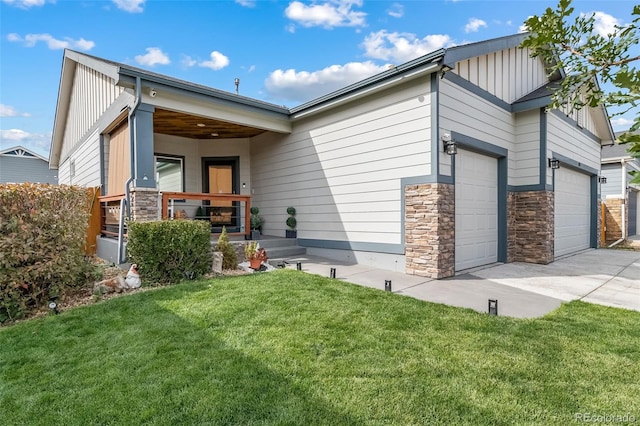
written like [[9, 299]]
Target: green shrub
[[42, 237], [255, 219], [169, 251], [229, 256]]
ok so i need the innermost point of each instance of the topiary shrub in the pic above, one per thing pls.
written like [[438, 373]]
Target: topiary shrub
[[229, 256], [169, 251], [42, 238]]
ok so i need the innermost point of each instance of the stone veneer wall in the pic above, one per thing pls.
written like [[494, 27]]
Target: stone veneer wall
[[430, 230], [599, 242], [613, 219], [530, 223], [144, 204]]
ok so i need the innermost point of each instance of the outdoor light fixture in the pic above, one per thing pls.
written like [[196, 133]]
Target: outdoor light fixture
[[602, 179], [333, 272], [554, 163], [493, 306], [54, 307], [448, 144], [387, 285]]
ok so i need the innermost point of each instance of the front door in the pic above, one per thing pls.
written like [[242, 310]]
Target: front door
[[221, 180], [220, 176]]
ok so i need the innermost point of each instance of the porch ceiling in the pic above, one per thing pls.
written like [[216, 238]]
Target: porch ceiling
[[179, 124]]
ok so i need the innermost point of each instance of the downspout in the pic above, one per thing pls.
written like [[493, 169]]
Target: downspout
[[132, 111], [127, 200], [624, 199]]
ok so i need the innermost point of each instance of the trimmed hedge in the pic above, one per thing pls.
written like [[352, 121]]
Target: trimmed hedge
[[171, 250], [42, 237]]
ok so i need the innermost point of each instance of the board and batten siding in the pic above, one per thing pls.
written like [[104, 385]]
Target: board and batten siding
[[91, 95], [86, 161], [584, 116], [342, 169], [464, 112], [568, 140], [508, 74]]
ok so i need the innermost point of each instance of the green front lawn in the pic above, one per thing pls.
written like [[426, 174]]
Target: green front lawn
[[292, 348]]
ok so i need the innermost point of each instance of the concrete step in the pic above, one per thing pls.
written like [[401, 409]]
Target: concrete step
[[270, 243], [280, 253]]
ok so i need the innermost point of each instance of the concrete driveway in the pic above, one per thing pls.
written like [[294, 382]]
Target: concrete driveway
[[523, 290]]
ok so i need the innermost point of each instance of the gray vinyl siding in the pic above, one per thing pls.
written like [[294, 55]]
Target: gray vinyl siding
[[466, 113], [613, 187], [14, 169], [568, 140], [342, 169], [92, 94], [508, 74], [527, 149], [87, 164]]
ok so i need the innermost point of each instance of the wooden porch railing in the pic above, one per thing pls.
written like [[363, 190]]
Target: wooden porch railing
[[222, 204], [110, 217]]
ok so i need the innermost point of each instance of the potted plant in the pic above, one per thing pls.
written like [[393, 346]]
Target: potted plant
[[255, 222], [254, 254], [291, 223]]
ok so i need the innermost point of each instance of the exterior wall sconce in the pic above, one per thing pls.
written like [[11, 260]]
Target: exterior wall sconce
[[602, 179], [554, 163], [449, 145]]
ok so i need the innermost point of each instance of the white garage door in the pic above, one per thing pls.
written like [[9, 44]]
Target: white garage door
[[633, 213], [572, 211], [476, 210], [638, 214]]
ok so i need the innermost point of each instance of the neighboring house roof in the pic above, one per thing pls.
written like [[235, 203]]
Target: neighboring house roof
[[20, 151], [617, 152], [19, 164]]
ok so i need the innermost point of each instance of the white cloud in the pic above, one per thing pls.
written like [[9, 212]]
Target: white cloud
[[396, 10], [52, 43], [621, 123], [9, 111], [246, 3], [37, 142], [402, 47], [333, 13], [132, 6], [605, 24], [154, 56], [301, 86], [187, 61], [24, 4], [474, 25], [217, 62]]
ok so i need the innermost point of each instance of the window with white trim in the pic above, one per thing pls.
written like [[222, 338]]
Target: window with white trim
[[170, 173]]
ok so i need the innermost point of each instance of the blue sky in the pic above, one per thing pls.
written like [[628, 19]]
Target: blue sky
[[284, 52]]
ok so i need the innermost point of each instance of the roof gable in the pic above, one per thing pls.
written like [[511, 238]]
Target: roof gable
[[22, 152]]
